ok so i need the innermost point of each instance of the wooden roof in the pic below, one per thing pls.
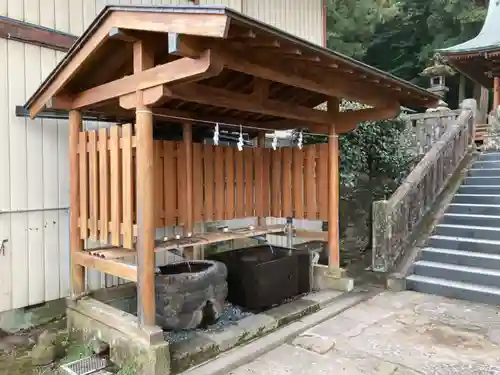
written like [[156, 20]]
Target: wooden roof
[[298, 73], [480, 67]]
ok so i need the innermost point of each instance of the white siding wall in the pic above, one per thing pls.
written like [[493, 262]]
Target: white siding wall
[[34, 266]]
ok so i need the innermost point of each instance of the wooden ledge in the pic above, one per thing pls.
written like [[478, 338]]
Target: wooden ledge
[[214, 237], [109, 266]]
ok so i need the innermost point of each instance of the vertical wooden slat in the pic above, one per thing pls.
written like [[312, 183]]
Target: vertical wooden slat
[[259, 170], [240, 185], [103, 184], [188, 171], [286, 183], [127, 192], [310, 183], [94, 185], [219, 183], [116, 185], [322, 180], [197, 183], [297, 183], [181, 184], [169, 183], [158, 171], [276, 183], [76, 243], [249, 182], [230, 188], [208, 165], [84, 186], [266, 184]]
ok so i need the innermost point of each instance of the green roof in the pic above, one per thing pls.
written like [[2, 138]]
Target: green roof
[[489, 37]]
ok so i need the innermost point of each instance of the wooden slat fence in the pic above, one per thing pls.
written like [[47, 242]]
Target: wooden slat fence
[[227, 184]]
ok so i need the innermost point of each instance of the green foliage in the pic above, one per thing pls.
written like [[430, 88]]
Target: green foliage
[[375, 150], [401, 36]]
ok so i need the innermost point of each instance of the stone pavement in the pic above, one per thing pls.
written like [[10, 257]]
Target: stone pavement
[[404, 333]]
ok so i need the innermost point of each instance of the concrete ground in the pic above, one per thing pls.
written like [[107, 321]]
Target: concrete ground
[[404, 333]]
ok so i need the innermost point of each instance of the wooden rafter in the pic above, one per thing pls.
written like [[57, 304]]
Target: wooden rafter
[[178, 71], [223, 98], [289, 74]]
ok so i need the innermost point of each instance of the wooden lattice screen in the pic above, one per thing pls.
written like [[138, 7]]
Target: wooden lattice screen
[[227, 184]]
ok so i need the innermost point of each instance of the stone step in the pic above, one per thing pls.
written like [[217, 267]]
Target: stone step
[[489, 156], [477, 198], [471, 220], [482, 180], [492, 172], [461, 258], [486, 164], [468, 231], [465, 244], [454, 272], [479, 189], [473, 209], [454, 289]]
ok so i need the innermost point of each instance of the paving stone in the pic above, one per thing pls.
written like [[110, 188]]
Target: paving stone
[[292, 360], [366, 315], [323, 297], [314, 343], [337, 326]]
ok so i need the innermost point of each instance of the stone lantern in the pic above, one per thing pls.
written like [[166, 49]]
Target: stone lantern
[[437, 74]]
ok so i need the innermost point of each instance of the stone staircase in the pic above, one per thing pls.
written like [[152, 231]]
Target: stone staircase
[[462, 257]]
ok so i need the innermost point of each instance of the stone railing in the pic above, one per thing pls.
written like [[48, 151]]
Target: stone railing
[[422, 130], [395, 219]]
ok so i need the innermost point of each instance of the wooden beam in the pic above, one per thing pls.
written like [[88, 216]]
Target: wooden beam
[[260, 89], [150, 97], [144, 61], [333, 189], [178, 71], [109, 266], [122, 34], [32, 34], [76, 243], [227, 99], [297, 75], [207, 25]]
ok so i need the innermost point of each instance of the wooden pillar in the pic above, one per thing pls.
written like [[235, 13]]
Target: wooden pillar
[[76, 243], [143, 60], [461, 89], [261, 142], [188, 152], [496, 93], [333, 189]]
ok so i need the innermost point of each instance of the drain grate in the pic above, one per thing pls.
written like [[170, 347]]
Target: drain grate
[[85, 366]]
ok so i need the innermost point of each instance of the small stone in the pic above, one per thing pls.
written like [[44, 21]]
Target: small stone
[[43, 355], [47, 338], [314, 343], [98, 346]]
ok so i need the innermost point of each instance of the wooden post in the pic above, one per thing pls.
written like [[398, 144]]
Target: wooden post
[[461, 89], [76, 243], [143, 60], [188, 151], [261, 142], [333, 189], [496, 93]]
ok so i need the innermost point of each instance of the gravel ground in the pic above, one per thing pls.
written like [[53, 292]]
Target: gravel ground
[[230, 315]]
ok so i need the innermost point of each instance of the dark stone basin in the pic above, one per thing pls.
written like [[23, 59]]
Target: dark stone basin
[[190, 294]]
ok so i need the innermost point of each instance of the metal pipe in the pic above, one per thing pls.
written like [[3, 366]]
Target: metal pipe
[[26, 210]]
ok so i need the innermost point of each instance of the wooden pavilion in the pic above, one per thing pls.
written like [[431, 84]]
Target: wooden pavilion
[[479, 58], [187, 65]]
